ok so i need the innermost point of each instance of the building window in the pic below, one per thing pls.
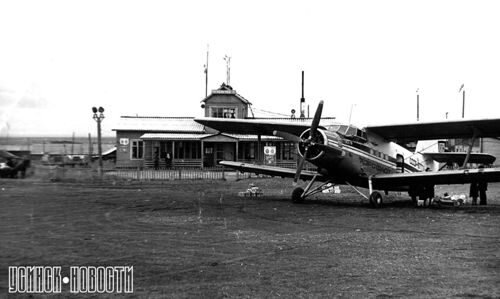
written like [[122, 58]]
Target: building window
[[187, 150], [288, 151], [246, 150], [137, 149], [223, 112]]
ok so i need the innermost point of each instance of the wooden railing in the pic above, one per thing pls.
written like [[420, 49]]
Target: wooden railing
[[214, 173]]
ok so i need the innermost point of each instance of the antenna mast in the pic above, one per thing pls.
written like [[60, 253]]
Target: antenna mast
[[228, 69], [302, 99]]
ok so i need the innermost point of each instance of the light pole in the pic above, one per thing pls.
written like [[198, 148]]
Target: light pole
[[98, 118], [418, 105], [462, 89]]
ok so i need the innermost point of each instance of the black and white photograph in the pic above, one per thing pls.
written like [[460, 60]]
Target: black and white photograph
[[249, 149]]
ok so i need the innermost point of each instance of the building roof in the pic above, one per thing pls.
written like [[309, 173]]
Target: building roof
[[159, 124], [193, 136], [226, 90], [174, 136], [244, 137]]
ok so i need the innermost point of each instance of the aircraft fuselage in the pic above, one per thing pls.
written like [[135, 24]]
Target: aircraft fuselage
[[355, 157]]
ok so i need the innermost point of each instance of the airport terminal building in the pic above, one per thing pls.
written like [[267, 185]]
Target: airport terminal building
[[159, 142]]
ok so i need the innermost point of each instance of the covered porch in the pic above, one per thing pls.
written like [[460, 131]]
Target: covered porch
[[171, 150]]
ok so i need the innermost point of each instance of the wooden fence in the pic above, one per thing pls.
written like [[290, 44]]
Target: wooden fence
[[215, 173]]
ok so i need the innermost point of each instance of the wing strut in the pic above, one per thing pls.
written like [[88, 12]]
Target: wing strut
[[469, 150], [370, 185], [357, 190], [309, 186]]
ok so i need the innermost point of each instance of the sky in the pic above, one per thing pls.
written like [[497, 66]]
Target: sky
[[365, 59]]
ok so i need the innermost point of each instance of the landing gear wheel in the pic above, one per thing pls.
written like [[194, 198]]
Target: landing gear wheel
[[297, 195], [376, 199]]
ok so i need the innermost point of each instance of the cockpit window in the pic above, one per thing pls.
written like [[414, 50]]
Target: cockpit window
[[350, 132], [333, 128], [343, 130]]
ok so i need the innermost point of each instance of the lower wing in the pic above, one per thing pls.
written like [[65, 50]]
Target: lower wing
[[445, 177], [271, 170]]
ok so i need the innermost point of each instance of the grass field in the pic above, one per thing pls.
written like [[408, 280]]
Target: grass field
[[198, 239]]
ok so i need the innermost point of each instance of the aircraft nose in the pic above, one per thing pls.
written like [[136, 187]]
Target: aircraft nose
[[334, 140]]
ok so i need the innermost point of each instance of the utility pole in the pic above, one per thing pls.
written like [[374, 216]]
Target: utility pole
[[72, 145], [418, 105], [462, 89], [206, 75], [90, 148]]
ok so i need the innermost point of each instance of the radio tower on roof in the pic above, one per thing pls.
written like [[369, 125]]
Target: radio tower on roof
[[228, 69]]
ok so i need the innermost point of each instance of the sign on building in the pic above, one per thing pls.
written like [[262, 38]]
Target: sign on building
[[270, 155]]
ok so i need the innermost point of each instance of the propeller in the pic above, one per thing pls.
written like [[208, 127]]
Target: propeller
[[309, 141], [287, 136]]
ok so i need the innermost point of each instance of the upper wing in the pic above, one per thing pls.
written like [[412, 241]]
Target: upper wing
[[445, 177], [455, 157], [255, 126], [438, 130], [271, 170]]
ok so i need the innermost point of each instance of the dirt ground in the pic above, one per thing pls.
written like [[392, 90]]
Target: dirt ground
[[189, 239]]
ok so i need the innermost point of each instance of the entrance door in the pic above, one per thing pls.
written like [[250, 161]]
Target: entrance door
[[215, 152], [156, 156], [219, 153], [208, 157], [166, 154]]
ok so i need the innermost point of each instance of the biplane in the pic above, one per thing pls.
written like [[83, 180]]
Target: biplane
[[11, 165], [373, 157]]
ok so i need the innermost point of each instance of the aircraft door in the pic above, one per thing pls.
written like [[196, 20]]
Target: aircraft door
[[400, 163]]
